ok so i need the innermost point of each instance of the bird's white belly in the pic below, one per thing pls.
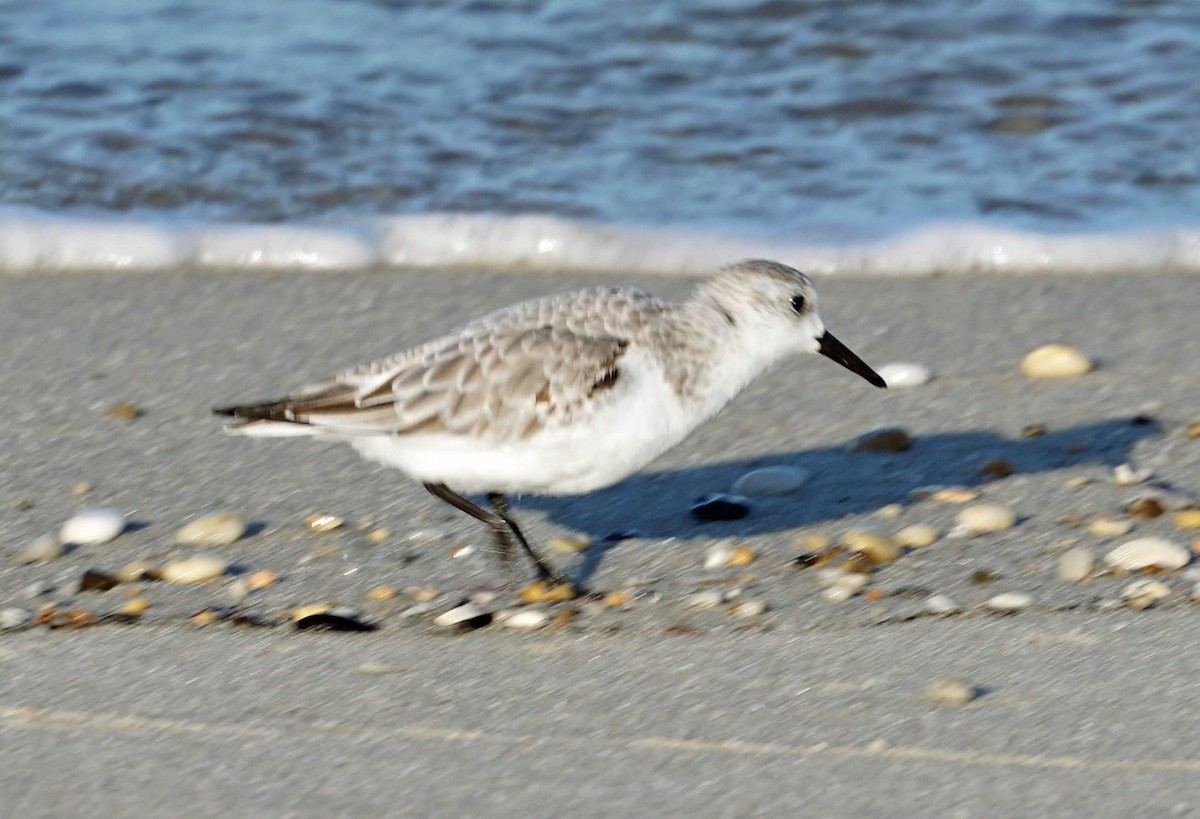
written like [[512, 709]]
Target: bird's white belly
[[644, 418]]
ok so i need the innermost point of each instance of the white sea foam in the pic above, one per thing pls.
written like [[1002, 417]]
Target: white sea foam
[[32, 243]]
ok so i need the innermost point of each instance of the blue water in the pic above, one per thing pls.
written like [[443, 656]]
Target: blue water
[[801, 121]]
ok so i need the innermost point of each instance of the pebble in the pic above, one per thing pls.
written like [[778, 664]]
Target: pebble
[[568, 545], [1126, 475], [96, 580], [261, 579], [945, 494], [527, 619], [1144, 508], [1110, 527], [37, 588], [1192, 430], [378, 535], [323, 523], [1142, 594], [899, 374], [1147, 552], [813, 541], [889, 512], [997, 468], [886, 439], [123, 412], [984, 518], [752, 607], [13, 618], [1009, 602], [541, 592], [720, 507], [41, 550], [92, 527], [466, 616], [844, 587], [941, 604], [771, 480], [422, 594], [81, 488], [917, 536], [380, 594], [1076, 564], [706, 599], [138, 570], [217, 529], [1188, 519], [718, 555], [951, 692], [873, 545], [617, 599], [196, 569], [1055, 361], [134, 607]]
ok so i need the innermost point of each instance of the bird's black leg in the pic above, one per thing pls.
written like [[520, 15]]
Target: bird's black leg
[[545, 570], [502, 541]]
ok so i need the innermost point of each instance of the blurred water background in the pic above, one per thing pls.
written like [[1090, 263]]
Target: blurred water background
[[882, 136]]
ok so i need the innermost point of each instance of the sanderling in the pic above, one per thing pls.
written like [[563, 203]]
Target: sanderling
[[561, 395]]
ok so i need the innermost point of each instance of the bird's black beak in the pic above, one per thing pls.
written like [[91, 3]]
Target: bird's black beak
[[831, 348]]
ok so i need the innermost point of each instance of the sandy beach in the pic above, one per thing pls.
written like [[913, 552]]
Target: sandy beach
[[653, 706]]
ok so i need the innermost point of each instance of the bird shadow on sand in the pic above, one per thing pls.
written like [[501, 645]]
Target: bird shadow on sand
[[655, 504]]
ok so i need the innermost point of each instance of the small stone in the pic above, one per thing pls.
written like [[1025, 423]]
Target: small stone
[[1079, 481], [917, 536], [123, 412], [876, 547], [981, 577], [527, 619], [540, 591], [217, 529], [96, 580], [1009, 602], [569, 545], [37, 588], [1033, 430], [741, 556], [889, 512], [1126, 475], [1147, 507], [837, 594], [1148, 552], [81, 488], [466, 616], [900, 374], [1110, 527], [985, 518], [1192, 430], [886, 439], [422, 594], [41, 550], [951, 692], [261, 579], [718, 555], [748, 608], [706, 599], [997, 468], [196, 569], [718, 507], [953, 494], [1076, 564], [1142, 594], [1055, 361], [813, 541], [1188, 519], [138, 570], [92, 527], [378, 535], [771, 480], [379, 594], [134, 607], [323, 523], [13, 618], [617, 599], [940, 604], [877, 746]]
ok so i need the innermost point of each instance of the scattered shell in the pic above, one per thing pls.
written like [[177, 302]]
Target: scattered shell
[[92, 527], [873, 545], [41, 550], [940, 604], [1110, 527], [339, 618], [196, 569], [1188, 519], [1147, 552], [134, 607], [13, 618], [899, 374], [1142, 594], [569, 545], [720, 507], [1126, 475], [123, 412], [1009, 602], [997, 468], [138, 570], [1076, 564], [260, 579], [771, 480], [617, 599], [527, 619], [706, 599], [37, 588], [541, 592], [96, 580], [917, 536], [952, 494], [381, 593], [422, 594], [752, 607], [323, 523], [886, 439], [1144, 508], [1079, 481], [951, 692], [378, 535], [889, 512], [1055, 361], [837, 594], [844, 586], [217, 529], [985, 518], [718, 555], [741, 556], [466, 616], [462, 550]]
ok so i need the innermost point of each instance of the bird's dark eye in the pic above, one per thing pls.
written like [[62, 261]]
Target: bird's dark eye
[[799, 303]]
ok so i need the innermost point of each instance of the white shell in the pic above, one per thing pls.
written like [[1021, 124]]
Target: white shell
[[1076, 565], [459, 614], [941, 604], [899, 374], [1148, 551], [217, 529], [1055, 361], [1009, 601], [527, 619], [985, 517], [92, 527], [771, 480], [196, 569]]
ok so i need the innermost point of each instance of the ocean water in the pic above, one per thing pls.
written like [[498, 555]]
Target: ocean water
[[878, 136]]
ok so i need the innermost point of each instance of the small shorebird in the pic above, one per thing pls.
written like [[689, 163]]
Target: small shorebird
[[561, 395]]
